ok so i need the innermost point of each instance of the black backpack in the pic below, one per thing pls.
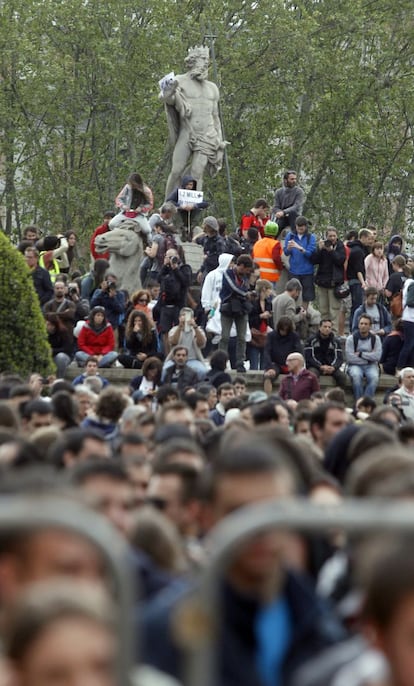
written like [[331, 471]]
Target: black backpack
[[356, 339]]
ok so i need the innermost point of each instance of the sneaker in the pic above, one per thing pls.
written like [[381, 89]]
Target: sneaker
[[241, 369]]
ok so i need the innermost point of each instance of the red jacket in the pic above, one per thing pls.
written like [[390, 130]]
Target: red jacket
[[96, 255], [248, 220], [93, 343], [301, 388]]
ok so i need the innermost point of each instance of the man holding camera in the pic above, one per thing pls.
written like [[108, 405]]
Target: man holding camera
[[112, 300], [175, 279], [81, 304], [330, 257]]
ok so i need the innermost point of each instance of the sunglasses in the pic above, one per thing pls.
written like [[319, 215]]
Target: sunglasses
[[142, 300]]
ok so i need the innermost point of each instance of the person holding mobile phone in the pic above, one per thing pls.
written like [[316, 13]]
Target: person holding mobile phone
[[188, 334]]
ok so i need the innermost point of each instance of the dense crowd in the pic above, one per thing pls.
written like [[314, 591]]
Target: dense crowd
[[167, 454]]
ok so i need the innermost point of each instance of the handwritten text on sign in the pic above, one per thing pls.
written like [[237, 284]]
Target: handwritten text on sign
[[187, 197]]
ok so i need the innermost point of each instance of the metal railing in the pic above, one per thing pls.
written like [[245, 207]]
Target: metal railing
[[27, 514], [354, 516]]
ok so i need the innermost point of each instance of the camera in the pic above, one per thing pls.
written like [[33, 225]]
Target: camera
[[72, 291], [174, 260], [111, 284], [395, 402], [328, 243]]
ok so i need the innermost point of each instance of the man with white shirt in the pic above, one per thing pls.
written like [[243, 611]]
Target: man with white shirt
[[406, 357], [407, 392]]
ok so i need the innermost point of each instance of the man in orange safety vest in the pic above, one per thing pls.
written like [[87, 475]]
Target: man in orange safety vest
[[267, 253]]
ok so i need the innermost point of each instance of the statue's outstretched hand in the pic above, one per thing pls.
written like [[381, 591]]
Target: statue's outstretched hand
[[170, 89]]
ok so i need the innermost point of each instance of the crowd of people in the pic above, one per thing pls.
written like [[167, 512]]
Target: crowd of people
[[348, 299], [185, 442]]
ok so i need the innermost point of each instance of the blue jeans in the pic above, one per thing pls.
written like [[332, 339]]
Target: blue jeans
[[106, 361], [61, 361], [406, 357], [358, 373], [255, 356]]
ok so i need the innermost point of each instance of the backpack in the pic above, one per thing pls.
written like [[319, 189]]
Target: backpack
[[356, 339], [396, 306], [232, 246], [409, 302], [396, 301], [213, 247]]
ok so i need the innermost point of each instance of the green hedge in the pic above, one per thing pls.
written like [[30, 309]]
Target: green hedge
[[24, 347]]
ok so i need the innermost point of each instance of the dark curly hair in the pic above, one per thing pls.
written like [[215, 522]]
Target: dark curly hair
[[146, 330]]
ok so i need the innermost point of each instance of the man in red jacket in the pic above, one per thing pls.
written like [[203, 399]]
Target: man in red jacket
[[300, 383], [257, 217]]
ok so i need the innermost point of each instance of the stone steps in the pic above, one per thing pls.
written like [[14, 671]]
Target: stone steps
[[254, 380]]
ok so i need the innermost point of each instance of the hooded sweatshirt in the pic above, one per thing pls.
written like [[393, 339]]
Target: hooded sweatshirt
[[173, 197], [392, 250], [210, 294]]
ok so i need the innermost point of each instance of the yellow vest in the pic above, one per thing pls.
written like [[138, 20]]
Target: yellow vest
[[54, 270]]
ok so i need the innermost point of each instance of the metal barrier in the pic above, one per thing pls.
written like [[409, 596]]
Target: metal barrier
[[25, 513], [353, 516]]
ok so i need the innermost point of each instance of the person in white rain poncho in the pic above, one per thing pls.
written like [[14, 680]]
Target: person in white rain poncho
[[210, 298]]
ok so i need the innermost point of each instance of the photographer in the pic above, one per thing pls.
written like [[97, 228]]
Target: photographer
[[175, 279], [330, 258], [112, 300], [81, 304]]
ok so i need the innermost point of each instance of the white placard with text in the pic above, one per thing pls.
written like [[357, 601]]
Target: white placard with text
[[187, 197]]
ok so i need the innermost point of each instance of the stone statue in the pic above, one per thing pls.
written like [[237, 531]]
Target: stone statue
[[193, 119], [126, 250]]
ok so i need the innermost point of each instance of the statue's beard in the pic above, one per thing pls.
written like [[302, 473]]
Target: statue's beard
[[199, 73]]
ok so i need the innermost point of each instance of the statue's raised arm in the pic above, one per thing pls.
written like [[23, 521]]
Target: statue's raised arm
[[193, 116]]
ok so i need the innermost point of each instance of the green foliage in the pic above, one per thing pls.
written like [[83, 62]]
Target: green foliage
[[318, 85], [23, 340]]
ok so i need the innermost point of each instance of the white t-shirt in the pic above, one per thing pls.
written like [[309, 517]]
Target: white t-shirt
[[408, 312]]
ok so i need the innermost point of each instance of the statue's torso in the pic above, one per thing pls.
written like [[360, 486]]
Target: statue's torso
[[202, 97]]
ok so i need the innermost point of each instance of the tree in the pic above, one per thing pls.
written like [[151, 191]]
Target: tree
[[24, 347], [319, 85]]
